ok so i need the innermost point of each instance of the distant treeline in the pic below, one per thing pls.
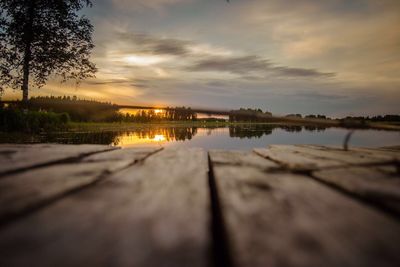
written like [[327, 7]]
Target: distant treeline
[[176, 114], [379, 118], [311, 116], [78, 109], [81, 110], [249, 115]]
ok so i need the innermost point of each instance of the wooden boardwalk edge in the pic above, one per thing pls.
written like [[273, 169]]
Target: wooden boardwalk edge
[[361, 174], [49, 183], [19, 158], [264, 211], [281, 206]]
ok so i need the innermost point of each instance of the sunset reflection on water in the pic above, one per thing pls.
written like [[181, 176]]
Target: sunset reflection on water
[[156, 136], [127, 139], [242, 137], [247, 137]]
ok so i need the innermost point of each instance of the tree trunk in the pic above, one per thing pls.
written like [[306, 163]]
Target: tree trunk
[[25, 83], [28, 38]]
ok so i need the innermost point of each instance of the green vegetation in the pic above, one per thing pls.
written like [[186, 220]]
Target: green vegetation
[[176, 114], [15, 120], [392, 119], [79, 110], [249, 115], [45, 114], [95, 111]]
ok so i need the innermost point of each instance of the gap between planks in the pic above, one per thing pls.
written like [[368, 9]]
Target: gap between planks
[[371, 178], [294, 220], [218, 221]]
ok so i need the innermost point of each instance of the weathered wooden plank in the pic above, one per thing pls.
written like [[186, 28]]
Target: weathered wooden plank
[[23, 191], [308, 157], [155, 213], [281, 219], [122, 157], [242, 158], [370, 184], [352, 156], [17, 157], [291, 158], [389, 153], [390, 148], [377, 158]]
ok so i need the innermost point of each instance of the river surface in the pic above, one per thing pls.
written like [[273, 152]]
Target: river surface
[[243, 137]]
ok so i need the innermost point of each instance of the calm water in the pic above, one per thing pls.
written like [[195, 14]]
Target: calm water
[[244, 137]]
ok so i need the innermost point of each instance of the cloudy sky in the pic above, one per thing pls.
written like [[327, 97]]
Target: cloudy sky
[[335, 57]]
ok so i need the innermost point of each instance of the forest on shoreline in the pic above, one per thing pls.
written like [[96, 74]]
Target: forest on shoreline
[[49, 113]]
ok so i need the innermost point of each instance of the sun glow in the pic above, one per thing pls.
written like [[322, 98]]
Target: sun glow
[[128, 140], [158, 111], [143, 60], [159, 138]]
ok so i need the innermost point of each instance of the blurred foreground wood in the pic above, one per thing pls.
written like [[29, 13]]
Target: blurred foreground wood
[[71, 205]]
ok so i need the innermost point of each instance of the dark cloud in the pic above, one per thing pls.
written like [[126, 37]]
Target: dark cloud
[[105, 82], [299, 72], [139, 83], [250, 65], [158, 46], [245, 66], [235, 65], [216, 83]]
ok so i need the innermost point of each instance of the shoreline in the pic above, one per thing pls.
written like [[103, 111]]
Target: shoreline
[[126, 126]]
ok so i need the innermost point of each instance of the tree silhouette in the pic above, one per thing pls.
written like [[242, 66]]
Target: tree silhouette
[[39, 38]]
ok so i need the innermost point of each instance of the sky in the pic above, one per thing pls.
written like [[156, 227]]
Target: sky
[[333, 57]]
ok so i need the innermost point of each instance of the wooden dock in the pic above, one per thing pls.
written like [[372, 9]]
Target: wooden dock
[[89, 205]]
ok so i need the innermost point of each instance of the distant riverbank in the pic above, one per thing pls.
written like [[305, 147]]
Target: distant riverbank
[[126, 126]]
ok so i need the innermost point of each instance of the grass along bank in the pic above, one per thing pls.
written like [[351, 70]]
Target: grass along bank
[[28, 121]]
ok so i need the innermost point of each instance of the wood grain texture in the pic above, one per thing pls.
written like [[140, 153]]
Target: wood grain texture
[[241, 158], [308, 157], [291, 158], [155, 213], [23, 191], [352, 156], [390, 153], [17, 157], [370, 184], [282, 219]]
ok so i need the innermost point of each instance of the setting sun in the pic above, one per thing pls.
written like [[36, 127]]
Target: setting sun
[[158, 111], [159, 138]]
